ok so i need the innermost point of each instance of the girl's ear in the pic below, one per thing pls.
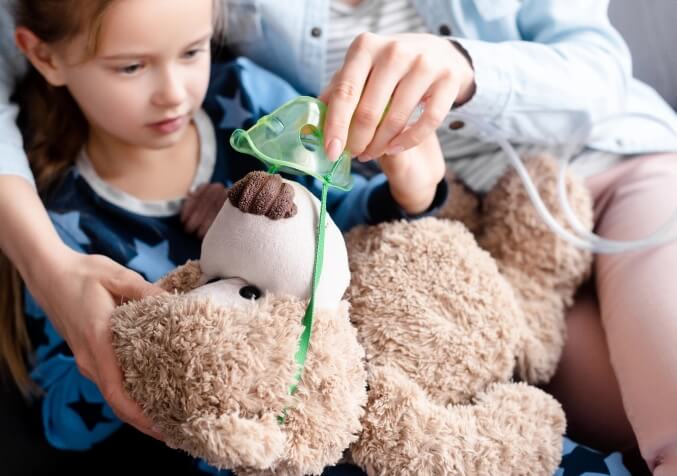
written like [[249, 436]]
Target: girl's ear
[[41, 55]]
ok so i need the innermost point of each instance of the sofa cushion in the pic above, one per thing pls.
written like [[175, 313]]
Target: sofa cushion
[[648, 26]]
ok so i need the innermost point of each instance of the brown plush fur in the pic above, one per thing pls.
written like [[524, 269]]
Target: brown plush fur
[[215, 380], [444, 325], [182, 279], [544, 270]]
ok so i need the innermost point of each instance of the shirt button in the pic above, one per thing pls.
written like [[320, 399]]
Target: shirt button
[[445, 30], [316, 32], [456, 125]]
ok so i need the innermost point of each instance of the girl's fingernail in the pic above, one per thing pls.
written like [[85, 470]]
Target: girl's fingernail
[[365, 158], [394, 150], [334, 150]]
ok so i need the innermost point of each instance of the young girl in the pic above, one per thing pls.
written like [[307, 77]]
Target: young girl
[[122, 123]]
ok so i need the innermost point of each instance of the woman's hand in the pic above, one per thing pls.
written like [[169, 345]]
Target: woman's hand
[[405, 69], [413, 175], [201, 207], [79, 293]]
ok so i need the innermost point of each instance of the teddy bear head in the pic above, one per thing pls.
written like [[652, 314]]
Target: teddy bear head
[[213, 362]]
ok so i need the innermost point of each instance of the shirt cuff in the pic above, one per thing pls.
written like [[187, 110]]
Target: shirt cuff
[[382, 207], [492, 82], [13, 161]]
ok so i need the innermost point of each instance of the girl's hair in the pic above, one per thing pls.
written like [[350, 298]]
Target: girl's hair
[[54, 127], [54, 131]]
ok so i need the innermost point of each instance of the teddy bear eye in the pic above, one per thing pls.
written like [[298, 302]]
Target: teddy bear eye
[[250, 292]]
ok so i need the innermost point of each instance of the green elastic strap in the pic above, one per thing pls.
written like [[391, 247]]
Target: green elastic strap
[[304, 341]]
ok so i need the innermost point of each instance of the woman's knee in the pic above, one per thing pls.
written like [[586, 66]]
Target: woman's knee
[[659, 168]]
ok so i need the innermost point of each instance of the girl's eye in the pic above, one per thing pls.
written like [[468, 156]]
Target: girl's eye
[[192, 53], [213, 280], [130, 69]]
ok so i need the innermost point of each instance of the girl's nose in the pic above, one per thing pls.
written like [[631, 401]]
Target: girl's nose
[[170, 91]]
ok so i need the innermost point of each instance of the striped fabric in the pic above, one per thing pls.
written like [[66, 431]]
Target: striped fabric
[[378, 16]]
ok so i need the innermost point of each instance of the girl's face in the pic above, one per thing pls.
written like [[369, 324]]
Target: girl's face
[[150, 71]]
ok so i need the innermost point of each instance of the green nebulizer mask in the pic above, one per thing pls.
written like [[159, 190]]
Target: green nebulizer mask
[[290, 140]]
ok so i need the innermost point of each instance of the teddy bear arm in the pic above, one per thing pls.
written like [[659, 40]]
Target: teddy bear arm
[[233, 441], [510, 428], [183, 279]]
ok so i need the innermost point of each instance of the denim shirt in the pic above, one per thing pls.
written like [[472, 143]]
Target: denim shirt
[[542, 67]]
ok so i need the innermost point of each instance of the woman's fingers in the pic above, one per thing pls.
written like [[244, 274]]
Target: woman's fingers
[[391, 66], [412, 88], [105, 370], [345, 92], [403, 70], [125, 284], [437, 105], [109, 381]]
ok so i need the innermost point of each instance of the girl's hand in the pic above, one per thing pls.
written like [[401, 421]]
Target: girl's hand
[[405, 69], [413, 175], [79, 293], [201, 207]]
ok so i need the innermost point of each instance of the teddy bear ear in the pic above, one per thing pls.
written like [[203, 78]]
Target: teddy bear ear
[[231, 441], [183, 279]]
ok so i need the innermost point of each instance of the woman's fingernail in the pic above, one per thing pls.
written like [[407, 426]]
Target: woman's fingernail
[[334, 150], [394, 150], [365, 158]]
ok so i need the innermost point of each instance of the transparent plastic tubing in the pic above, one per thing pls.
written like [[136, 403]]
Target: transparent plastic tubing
[[580, 237]]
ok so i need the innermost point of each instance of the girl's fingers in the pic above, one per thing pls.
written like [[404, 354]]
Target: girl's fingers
[[383, 79], [207, 206], [345, 94], [193, 223], [409, 93], [441, 97], [191, 202], [216, 199]]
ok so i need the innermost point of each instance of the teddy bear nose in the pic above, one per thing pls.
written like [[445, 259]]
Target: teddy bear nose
[[250, 292]]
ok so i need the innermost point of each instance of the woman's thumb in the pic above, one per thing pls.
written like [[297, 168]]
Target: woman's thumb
[[128, 285]]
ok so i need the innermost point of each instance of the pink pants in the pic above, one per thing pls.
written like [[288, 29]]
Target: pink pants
[[624, 335]]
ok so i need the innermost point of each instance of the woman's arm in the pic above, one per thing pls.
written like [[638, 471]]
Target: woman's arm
[[77, 292], [571, 67]]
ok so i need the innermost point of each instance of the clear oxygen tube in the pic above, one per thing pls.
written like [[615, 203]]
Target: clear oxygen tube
[[580, 237]]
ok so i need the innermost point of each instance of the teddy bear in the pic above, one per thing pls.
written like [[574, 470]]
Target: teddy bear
[[424, 348]]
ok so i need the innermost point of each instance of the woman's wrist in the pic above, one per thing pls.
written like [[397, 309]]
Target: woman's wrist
[[468, 85]]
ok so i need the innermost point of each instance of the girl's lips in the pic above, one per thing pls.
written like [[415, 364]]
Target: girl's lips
[[168, 126]]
